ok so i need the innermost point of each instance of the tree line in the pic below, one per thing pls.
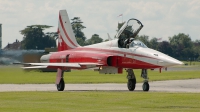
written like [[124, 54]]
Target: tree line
[[35, 38], [179, 46], [77, 27]]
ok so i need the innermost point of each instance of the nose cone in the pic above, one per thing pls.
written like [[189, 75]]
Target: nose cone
[[172, 62], [159, 58], [167, 61]]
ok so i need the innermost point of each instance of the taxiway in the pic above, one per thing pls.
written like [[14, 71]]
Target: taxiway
[[192, 85]]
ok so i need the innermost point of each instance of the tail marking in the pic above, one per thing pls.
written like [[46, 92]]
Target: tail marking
[[67, 39], [63, 28]]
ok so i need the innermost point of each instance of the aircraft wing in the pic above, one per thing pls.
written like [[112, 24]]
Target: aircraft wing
[[34, 67], [46, 65]]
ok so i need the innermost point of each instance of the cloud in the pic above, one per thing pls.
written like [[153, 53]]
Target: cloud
[[160, 18]]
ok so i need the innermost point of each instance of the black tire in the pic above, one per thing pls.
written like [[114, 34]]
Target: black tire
[[145, 86], [61, 85], [131, 84]]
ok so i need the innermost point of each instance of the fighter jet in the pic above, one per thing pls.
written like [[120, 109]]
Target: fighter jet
[[110, 57]]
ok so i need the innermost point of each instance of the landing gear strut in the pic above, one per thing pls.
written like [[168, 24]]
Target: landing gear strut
[[144, 75], [131, 80], [60, 83]]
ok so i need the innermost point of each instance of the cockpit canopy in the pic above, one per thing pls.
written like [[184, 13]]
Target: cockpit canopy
[[137, 43], [129, 31], [132, 26]]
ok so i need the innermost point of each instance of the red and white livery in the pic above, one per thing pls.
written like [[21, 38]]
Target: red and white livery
[[112, 56]]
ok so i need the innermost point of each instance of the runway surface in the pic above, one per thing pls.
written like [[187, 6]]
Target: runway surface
[[192, 85]]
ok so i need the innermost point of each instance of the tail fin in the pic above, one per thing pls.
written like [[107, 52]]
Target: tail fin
[[66, 38]]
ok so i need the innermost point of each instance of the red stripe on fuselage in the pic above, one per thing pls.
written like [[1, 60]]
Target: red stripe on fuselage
[[61, 22]]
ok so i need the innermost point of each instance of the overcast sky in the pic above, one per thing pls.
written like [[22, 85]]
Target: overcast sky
[[161, 18]]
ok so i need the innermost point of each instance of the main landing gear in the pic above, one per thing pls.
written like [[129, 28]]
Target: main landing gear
[[60, 83], [145, 85], [132, 80]]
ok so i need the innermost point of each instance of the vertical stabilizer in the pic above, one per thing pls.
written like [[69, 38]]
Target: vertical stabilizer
[[66, 38]]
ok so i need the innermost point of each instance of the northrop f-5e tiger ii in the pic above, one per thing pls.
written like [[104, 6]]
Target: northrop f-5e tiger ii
[[110, 57]]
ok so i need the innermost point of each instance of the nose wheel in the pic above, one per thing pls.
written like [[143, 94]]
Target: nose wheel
[[145, 86]]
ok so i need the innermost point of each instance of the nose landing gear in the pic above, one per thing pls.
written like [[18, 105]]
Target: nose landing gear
[[145, 86]]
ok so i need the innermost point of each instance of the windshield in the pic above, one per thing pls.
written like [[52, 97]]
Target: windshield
[[137, 43]]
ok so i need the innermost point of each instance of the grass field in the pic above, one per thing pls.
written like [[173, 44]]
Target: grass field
[[98, 101], [90, 101], [192, 63], [15, 75]]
